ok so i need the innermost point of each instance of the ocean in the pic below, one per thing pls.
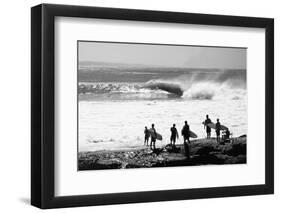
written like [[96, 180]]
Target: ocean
[[116, 102]]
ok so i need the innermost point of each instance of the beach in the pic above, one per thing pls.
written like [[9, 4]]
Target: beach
[[202, 152]]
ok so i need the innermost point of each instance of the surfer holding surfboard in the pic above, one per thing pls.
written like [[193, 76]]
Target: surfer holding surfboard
[[208, 129], [208, 124], [174, 135], [185, 133], [218, 129], [153, 135]]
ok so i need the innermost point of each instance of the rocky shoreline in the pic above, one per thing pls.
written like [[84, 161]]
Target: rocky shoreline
[[202, 152]]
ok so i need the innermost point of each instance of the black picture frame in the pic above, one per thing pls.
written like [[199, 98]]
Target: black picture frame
[[43, 105]]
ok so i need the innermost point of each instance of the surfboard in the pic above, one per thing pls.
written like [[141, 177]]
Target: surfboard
[[213, 126], [192, 134], [158, 136]]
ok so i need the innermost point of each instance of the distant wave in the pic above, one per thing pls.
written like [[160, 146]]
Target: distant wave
[[200, 86], [149, 89], [102, 88]]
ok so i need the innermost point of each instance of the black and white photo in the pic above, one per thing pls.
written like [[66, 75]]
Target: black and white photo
[[131, 106], [157, 105]]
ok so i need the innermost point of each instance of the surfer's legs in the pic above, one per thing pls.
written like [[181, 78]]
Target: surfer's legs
[[173, 141], [146, 140], [186, 139], [152, 143], [186, 150], [218, 136], [208, 130]]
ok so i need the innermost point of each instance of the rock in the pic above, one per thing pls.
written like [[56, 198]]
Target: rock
[[160, 158], [100, 164], [169, 148], [157, 151], [212, 158], [202, 151], [205, 150], [237, 148], [219, 158], [236, 160], [108, 164], [134, 165], [174, 159]]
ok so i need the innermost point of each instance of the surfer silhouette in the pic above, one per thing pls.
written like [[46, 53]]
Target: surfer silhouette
[[153, 137], [174, 135], [185, 132], [218, 128], [208, 129], [146, 136]]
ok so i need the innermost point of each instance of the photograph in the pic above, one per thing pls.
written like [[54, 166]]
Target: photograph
[[139, 105], [146, 105]]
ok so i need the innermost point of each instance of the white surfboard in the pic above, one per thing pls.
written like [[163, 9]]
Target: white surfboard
[[213, 126], [192, 134], [158, 136]]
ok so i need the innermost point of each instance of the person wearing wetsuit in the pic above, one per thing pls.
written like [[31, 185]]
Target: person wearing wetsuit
[[153, 137], [218, 128], [185, 134], [174, 135], [146, 136], [208, 129]]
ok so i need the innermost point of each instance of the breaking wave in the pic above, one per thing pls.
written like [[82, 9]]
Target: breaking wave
[[172, 88], [203, 86]]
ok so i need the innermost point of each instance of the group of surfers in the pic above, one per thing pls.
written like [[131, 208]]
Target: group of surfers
[[185, 132]]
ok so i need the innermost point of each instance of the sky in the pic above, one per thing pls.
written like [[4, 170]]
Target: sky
[[163, 55]]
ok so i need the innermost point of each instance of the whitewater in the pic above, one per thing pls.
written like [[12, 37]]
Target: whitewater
[[113, 113]]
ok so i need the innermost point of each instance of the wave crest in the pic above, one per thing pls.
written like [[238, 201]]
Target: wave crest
[[165, 86], [201, 91], [196, 86]]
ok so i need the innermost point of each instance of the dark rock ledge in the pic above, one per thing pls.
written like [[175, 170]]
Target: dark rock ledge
[[202, 152]]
